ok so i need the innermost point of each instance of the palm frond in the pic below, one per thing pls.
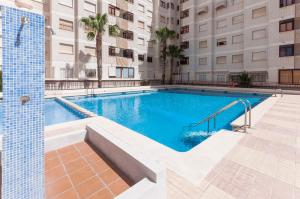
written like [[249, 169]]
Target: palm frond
[[91, 35], [114, 30]]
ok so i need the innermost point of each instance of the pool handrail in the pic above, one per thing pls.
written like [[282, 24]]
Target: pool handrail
[[247, 106]]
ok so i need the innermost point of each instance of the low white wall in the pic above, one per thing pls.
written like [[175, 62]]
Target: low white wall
[[134, 164]]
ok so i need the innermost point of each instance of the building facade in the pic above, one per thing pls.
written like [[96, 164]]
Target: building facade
[[220, 38], [133, 55], [223, 38]]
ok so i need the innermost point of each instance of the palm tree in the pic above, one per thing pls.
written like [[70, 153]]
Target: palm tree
[[96, 27], [174, 52], [162, 35]]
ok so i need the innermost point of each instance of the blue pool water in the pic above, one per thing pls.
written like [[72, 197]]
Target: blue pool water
[[163, 115], [55, 112]]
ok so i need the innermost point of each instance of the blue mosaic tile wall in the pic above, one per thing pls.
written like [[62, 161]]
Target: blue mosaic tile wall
[[23, 125]]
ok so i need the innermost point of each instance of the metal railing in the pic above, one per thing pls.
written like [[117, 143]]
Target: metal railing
[[247, 108]]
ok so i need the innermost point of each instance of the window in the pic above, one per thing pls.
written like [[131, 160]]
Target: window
[[220, 78], [162, 19], [131, 72], [127, 35], [172, 6], [184, 61], [124, 72], [237, 19], [149, 13], [221, 42], [284, 3], [202, 10], [130, 1], [185, 29], [149, 59], [151, 43], [259, 56], [112, 71], [184, 14], [237, 58], [221, 23], [237, 39], [141, 25], [163, 4], [118, 72], [66, 48], [203, 61], [236, 2], [90, 7], [286, 50], [68, 3], [201, 77], [112, 51], [286, 25], [112, 10], [184, 45], [203, 27], [66, 25], [203, 44], [90, 50], [221, 4], [128, 53], [259, 12], [141, 41], [127, 16], [141, 57], [90, 73], [221, 60], [149, 28], [259, 34], [141, 8]]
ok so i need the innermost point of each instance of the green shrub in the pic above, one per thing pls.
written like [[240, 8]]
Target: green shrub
[[245, 80]]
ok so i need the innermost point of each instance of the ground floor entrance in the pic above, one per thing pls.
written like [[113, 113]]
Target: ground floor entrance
[[289, 76]]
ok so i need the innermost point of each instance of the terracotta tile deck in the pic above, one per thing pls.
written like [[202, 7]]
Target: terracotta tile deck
[[77, 171]]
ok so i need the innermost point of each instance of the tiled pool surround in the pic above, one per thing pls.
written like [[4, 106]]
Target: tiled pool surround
[[78, 171]]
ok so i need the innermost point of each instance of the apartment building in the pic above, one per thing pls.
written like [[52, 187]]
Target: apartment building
[[222, 38], [133, 55]]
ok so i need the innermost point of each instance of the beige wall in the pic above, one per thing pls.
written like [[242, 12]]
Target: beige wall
[[214, 31]]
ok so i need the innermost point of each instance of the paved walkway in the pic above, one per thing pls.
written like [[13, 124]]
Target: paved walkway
[[264, 164]]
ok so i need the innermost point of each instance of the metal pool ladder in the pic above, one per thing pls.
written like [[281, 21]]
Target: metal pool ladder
[[247, 106]]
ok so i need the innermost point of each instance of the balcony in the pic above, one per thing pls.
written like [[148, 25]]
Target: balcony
[[221, 4], [124, 57], [120, 13]]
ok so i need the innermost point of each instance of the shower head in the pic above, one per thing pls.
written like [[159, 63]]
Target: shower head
[[24, 20]]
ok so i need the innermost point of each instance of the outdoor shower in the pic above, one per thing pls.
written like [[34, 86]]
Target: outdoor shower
[[24, 20]]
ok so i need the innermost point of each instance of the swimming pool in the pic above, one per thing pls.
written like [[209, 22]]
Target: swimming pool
[[55, 112], [163, 115]]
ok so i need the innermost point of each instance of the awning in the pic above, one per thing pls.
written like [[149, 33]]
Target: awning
[[203, 10], [221, 4]]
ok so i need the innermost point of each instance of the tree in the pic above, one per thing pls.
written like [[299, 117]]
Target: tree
[[96, 27], [174, 52], [245, 80], [163, 35]]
